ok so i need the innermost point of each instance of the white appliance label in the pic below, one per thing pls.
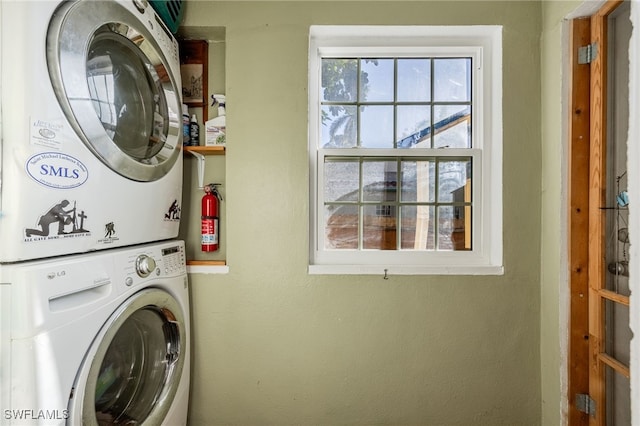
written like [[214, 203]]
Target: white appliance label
[[46, 133], [57, 170]]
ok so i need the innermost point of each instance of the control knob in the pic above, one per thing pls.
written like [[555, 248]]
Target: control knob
[[145, 265]]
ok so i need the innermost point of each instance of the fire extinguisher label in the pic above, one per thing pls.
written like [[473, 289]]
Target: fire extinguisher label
[[209, 231]]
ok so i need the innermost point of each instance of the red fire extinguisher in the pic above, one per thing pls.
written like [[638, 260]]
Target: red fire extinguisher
[[210, 217]]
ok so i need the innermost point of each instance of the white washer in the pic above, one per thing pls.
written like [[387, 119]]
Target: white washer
[[96, 339], [91, 127]]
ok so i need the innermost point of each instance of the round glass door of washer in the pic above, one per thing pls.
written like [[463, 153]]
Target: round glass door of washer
[[132, 372], [116, 87]]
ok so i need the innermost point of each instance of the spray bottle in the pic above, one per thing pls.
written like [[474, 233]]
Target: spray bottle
[[216, 128]]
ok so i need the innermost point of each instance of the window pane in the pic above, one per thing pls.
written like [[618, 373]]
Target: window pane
[[454, 228], [376, 80], [380, 180], [418, 181], [339, 126], [417, 227], [376, 126], [452, 80], [452, 128], [445, 228], [341, 180], [452, 180], [339, 80], [618, 333], [379, 227], [461, 233], [376, 130], [341, 227], [414, 126], [618, 398], [414, 80]]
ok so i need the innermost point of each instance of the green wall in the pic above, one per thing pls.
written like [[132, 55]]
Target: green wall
[[274, 345]]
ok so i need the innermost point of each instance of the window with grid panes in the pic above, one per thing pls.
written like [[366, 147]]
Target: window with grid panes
[[405, 150]]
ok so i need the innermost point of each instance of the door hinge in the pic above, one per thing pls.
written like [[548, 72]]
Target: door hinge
[[588, 53], [585, 404]]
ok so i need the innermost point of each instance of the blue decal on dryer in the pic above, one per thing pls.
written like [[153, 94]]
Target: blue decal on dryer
[[57, 170]]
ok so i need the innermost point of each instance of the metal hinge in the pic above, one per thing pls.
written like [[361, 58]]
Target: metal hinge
[[585, 404], [588, 53]]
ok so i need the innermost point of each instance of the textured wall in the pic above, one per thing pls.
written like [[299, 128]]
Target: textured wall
[[274, 345], [554, 275]]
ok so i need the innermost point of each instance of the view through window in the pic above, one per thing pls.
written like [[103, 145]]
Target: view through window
[[408, 203]]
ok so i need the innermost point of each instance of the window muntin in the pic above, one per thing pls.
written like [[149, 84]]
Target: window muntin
[[405, 150]]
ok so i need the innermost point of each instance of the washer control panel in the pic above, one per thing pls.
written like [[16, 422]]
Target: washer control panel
[[167, 260], [174, 260]]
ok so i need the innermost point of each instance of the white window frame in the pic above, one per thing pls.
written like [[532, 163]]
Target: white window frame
[[484, 45]]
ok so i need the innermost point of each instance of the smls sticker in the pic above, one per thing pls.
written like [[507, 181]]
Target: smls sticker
[[174, 212], [57, 170], [64, 221]]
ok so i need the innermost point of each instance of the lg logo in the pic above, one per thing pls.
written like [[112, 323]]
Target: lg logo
[[52, 275]]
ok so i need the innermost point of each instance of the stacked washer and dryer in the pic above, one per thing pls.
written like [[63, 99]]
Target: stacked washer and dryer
[[94, 300]]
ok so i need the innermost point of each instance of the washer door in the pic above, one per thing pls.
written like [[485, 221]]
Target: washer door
[[116, 87], [131, 373]]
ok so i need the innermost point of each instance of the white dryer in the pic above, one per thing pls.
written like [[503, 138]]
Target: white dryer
[[96, 339], [91, 127]]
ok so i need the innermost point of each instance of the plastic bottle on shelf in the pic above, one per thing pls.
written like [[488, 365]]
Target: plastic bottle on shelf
[[194, 131], [186, 125], [216, 128]]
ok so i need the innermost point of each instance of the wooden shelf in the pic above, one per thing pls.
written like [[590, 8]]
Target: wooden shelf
[[207, 267], [206, 150], [206, 262]]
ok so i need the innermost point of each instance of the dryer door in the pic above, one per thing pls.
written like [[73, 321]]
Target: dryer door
[[131, 373], [116, 86]]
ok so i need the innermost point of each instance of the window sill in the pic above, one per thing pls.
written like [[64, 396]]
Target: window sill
[[405, 270]]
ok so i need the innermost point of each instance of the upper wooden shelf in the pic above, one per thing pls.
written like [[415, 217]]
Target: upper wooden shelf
[[206, 150]]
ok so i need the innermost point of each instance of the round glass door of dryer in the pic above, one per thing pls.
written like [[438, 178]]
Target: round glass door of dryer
[[132, 372], [116, 87]]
